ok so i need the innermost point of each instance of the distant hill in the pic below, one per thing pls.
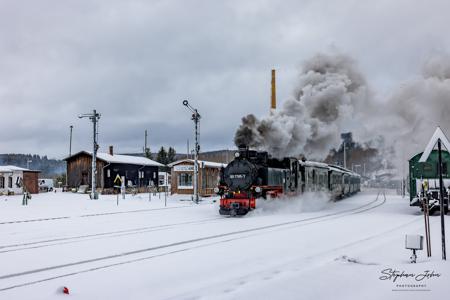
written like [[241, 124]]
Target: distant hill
[[48, 167]]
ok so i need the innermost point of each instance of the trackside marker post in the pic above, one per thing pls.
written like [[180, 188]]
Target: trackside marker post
[[438, 138]]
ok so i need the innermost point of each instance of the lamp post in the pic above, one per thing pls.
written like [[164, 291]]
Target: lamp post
[[70, 154], [70, 141], [94, 117], [28, 163], [196, 118]]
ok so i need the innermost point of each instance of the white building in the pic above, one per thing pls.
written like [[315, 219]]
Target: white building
[[12, 180]]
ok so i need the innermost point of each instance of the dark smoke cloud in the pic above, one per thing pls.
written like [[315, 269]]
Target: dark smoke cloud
[[330, 91], [332, 97]]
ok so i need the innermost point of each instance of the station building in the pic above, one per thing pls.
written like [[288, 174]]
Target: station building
[[14, 180], [182, 172]]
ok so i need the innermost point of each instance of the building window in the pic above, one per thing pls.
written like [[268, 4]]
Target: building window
[[10, 182], [108, 173], [2, 182], [185, 180]]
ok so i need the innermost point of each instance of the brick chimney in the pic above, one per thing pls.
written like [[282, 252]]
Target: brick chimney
[[111, 151]]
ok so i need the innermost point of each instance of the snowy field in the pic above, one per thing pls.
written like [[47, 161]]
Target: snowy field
[[303, 248]]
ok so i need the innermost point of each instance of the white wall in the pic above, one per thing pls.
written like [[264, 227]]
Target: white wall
[[14, 188]]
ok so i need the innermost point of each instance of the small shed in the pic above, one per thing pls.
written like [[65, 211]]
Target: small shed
[[182, 172], [137, 171], [14, 179]]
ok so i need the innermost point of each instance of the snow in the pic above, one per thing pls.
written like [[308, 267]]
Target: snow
[[210, 164], [123, 159], [11, 169], [141, 249], [438, 134]]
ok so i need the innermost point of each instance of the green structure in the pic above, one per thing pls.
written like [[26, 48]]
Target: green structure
[[419, 172]]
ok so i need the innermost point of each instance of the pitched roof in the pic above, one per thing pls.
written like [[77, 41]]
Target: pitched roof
[[438, 135], [121, 159], [210, 164], [10, 168]]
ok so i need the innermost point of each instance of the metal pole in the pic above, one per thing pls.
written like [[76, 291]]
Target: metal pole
[[345, 158], [196, 120], [145, 143], [70, 154], [94, 156], [187, 153], [70, 141], [428, 226], [441, 192], [94, 117]]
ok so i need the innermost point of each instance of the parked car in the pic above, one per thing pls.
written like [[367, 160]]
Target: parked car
[[45, 184]]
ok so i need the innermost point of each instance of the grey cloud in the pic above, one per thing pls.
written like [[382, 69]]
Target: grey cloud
[[134, 61]]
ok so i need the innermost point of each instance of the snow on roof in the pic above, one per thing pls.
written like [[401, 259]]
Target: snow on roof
[[438, 134], [123, 159], [12, 169], [313, 164], [210, 164]]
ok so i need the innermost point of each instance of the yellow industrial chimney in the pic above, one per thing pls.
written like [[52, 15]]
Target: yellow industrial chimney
[[273, 102]]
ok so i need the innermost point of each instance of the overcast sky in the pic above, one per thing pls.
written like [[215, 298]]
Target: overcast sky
[[135, 61]]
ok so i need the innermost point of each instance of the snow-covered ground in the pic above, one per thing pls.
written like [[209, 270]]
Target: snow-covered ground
[[305, 248]]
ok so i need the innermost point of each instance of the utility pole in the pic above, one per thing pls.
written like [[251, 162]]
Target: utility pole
[[196, 118], [441, 200], [70, 141], [70, 154], [94, 117], [345, 158], [145, 143], [187, 152]]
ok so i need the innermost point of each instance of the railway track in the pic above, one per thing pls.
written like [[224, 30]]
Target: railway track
[[92, 215], [108, 234], [189, 245]]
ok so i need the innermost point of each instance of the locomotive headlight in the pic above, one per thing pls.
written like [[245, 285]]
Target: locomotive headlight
[[216, 190], [236, 154], [258, 189]]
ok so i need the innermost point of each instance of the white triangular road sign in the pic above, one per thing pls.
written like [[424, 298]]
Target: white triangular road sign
[[438, 134]]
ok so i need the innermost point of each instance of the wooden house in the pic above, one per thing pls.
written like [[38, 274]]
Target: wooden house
[[182, 172], [137, 171]]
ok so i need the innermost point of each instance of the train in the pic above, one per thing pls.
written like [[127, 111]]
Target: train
[[255, 174], [424, 181]]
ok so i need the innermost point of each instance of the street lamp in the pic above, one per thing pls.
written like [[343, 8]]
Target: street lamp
[[94, 117], [28, 163], [196, 118]]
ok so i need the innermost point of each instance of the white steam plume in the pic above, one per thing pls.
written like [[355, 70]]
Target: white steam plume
[[331, 92], [332, 97]]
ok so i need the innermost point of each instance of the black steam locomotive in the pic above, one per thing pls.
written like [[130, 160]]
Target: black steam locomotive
[[254, 174]]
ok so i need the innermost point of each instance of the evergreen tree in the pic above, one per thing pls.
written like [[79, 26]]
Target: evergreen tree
[[171, 155], [162, 156], [148, 153]]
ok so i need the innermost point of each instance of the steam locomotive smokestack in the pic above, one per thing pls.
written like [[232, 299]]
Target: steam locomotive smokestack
[[273, 104]]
